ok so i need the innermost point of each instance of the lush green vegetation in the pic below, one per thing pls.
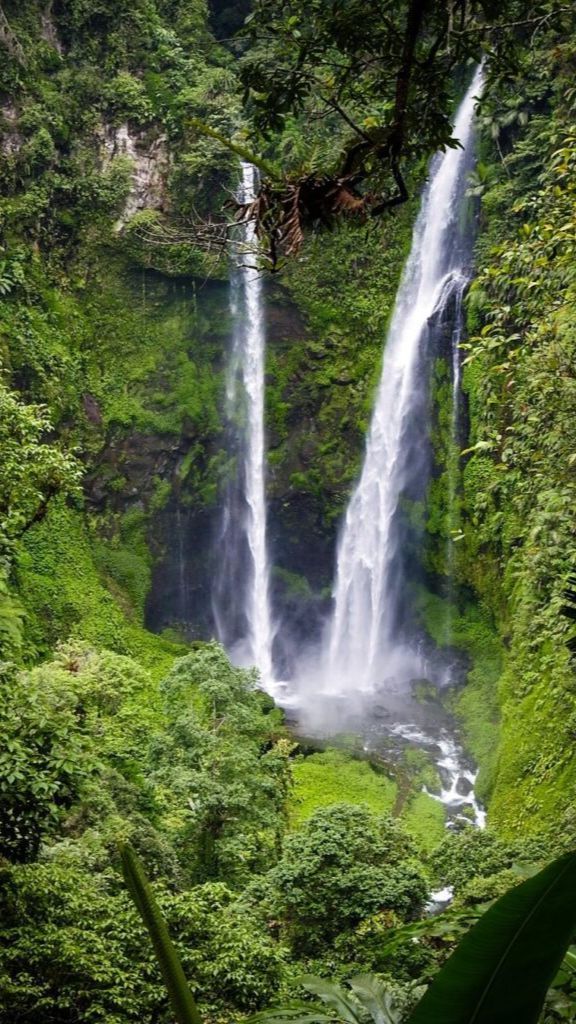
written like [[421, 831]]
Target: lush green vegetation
[[335, 775], [195, 774], [513, 546], [329, 777], [484, 979], [268, 862]]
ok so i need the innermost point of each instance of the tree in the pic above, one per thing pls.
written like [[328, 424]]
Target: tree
[[345, 864], [74, 734], [224, 764], [33, 467], [379, 80], [72, 948], [43, 761]]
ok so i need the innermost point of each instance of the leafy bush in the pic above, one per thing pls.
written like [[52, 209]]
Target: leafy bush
[[63, 725], [72, 945], [89, 757], [343, 865], [219, 762], [32, 467], [474, 854]]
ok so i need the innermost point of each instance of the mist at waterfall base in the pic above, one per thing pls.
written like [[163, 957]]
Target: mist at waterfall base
[[372, 650]]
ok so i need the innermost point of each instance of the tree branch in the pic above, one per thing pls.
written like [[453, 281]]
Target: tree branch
[[414, 22]]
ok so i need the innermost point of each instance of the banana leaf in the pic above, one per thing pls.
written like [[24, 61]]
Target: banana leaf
[[180, 996], [334, 996], [295, 1013], [375, 997], [501, 970]]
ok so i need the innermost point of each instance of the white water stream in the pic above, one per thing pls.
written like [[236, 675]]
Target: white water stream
[[242, 591]]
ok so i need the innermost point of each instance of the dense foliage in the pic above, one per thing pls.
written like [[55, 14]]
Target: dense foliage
[[377, 83], [513, 530], [267, 862], [195, 774], [344, 865], [91, 755]]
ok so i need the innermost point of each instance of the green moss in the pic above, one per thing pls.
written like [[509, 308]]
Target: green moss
[[333, 777], [126, 561], [321, 384], [294, 586], [536, 769], [421, 767], [425, 819], [477, 704], [152, 366], [64, 596]]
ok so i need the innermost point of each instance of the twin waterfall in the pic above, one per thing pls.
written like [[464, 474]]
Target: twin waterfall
[[367, 640]]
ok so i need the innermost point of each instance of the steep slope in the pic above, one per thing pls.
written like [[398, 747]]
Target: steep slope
[[95, 132], [515, 545]]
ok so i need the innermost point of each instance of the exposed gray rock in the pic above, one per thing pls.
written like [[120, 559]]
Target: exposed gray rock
[[464, 787], [150, 159], [48, 29], [11, 139]]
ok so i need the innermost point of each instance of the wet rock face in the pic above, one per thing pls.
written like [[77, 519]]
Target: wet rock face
[[180, 536], [150, 159], [92, 409], [180, 595], [183, 533], [48, 30], [128, 468], [464, 786], [299, 541]]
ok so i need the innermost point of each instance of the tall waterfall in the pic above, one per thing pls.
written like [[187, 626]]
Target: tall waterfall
[[241, 597], [365, 644]]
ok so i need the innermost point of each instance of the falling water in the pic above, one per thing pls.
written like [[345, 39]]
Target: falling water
[[241, 597], [365, 644], [453, 453]]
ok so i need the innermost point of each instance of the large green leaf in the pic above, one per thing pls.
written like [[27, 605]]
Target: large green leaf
[[334, 996], [379, 1002], [181, 999], [500, 972], [295, 1013]]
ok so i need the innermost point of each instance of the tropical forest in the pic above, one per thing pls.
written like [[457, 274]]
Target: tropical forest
[[287, 512]]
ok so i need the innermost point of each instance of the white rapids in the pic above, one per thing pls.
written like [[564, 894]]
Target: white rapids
[[457, 780]]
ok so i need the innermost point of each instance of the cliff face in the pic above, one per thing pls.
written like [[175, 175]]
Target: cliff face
[[519, 488], [121, 340], [125, 361], [513, 553]]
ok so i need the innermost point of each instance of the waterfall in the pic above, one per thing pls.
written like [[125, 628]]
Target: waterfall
[[453, 452], [367, 637], [241, 597]]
